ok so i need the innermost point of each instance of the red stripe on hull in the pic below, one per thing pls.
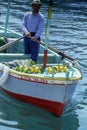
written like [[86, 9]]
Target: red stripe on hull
[[54, 107]]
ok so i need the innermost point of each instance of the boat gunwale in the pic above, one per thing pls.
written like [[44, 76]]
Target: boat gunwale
[[45, 77]]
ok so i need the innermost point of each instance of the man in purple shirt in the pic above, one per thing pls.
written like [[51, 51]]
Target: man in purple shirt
[[32, 27]]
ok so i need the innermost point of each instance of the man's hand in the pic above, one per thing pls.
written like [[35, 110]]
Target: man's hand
[[28, 34], [34, 38]]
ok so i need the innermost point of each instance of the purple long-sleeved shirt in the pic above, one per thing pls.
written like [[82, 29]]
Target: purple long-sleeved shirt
[[33, 23]]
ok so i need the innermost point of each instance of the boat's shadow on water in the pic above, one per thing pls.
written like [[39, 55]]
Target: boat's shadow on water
[[15, 114]]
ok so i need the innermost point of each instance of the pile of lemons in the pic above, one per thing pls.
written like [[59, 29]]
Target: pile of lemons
[[57, 69], [32, 67], [29, 69]]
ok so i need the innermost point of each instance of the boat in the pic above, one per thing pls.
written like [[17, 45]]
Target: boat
[[48, 84], [50, 88]]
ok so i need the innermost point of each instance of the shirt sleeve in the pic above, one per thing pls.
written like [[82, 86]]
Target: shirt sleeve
[[40, 27], [24, 23]]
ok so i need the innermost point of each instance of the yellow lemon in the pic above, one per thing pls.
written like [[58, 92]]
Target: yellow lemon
[[25, 69], [31, 70], [60, 68], [65, 68], [49, 69], [21, 68], [33, 66], [36, 69], [55, 69]]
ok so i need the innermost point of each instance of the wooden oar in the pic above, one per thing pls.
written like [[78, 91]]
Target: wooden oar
[[60, 53], [56, 51], [10, 43], [47, 33]]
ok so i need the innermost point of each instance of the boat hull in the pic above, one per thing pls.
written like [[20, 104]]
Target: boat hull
[[52, 97], [49, 91]]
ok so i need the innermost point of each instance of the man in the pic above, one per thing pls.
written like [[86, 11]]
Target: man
[[32, 27]]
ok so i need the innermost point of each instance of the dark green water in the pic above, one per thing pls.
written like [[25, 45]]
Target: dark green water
[[68, 33]]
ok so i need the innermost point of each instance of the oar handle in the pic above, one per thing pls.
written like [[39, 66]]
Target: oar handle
[[57, 52], [10, 43]]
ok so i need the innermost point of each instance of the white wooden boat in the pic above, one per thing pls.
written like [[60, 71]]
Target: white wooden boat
[[50, 88]]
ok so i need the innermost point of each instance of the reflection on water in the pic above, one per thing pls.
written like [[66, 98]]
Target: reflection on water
[[68, 33]]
